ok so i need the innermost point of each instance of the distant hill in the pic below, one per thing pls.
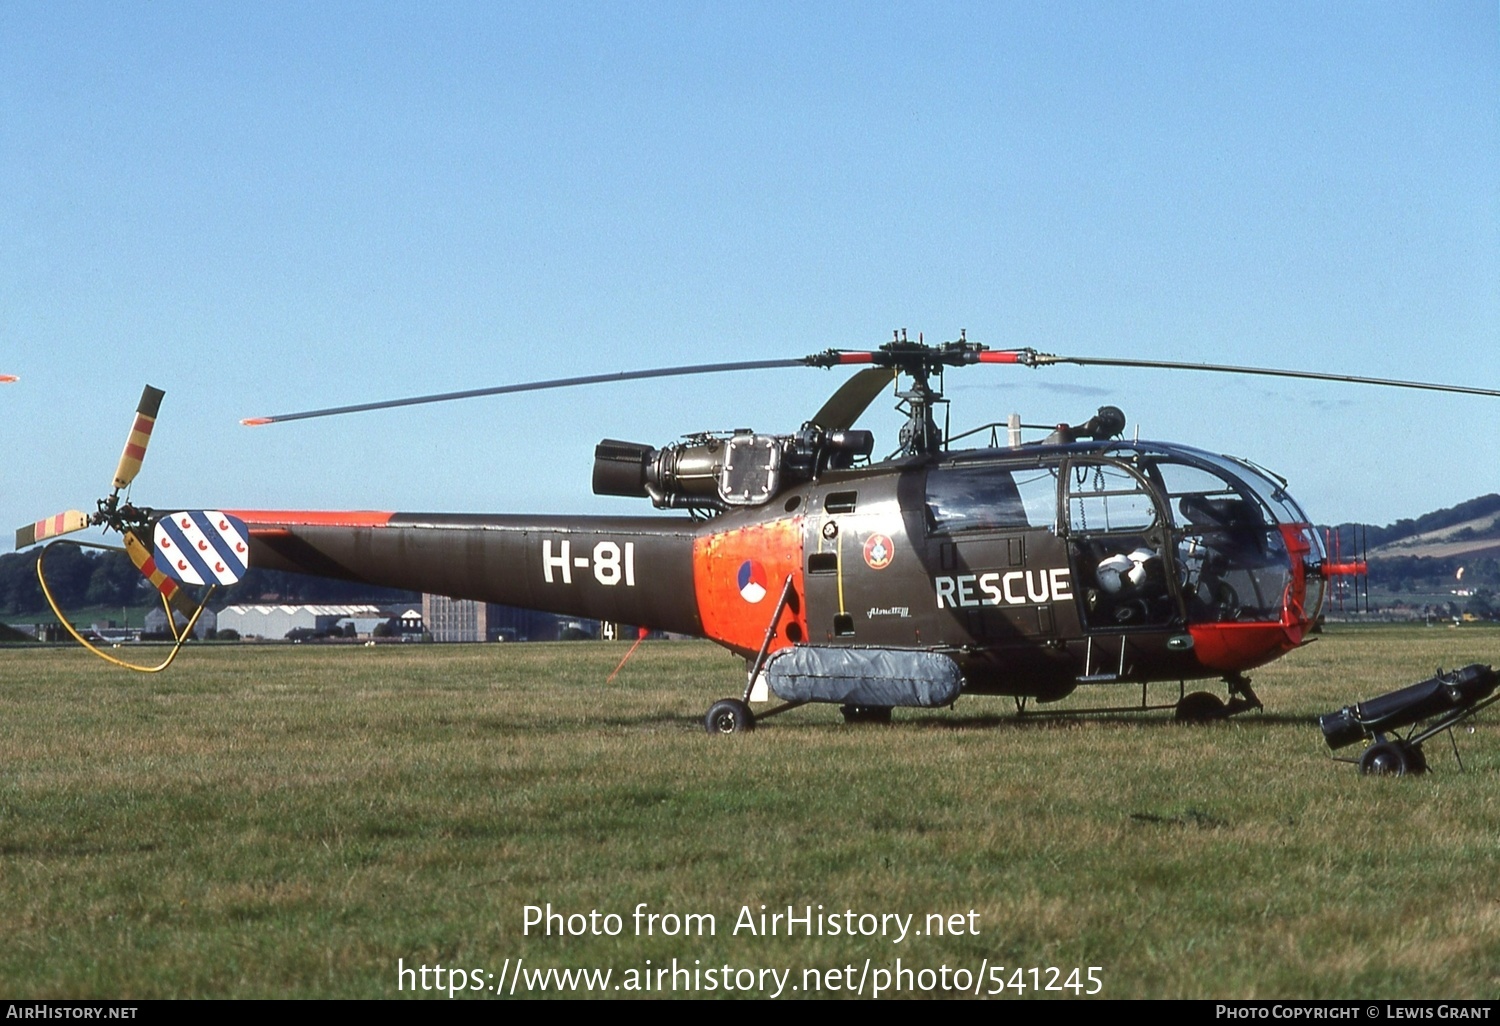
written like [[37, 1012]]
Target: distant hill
[[1448, 552], [1468, 530]]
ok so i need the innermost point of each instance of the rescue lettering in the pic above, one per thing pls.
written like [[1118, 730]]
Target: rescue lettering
[[1003, 588]]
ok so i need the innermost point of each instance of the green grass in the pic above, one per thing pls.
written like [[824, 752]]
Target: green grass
[[279, 821]]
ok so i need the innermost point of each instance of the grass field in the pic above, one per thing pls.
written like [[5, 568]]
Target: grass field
[[277, 821]]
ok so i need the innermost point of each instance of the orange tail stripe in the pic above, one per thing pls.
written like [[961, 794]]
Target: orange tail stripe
[[260, 520]]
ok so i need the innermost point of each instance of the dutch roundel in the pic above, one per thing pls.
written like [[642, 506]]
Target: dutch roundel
[[752, 581]]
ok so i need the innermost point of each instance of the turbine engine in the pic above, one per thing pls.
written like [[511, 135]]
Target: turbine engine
[[718, 471]]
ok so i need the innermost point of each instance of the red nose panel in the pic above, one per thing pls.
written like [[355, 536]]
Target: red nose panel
[[1227, 647]]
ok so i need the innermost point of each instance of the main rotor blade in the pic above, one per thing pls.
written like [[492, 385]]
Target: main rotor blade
[[1041, 359], [854, 396], [534, 386], [140, 437], [846, 405]]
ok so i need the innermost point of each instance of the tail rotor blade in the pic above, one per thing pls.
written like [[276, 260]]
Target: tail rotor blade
[[111, 514], [145, 561], [51, 527], [140, 437]]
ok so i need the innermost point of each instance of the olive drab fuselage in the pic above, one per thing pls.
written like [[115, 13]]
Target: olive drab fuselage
[[1036, 568], [1025, 570]]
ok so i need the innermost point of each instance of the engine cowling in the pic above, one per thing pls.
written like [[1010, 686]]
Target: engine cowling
[[723, 471]]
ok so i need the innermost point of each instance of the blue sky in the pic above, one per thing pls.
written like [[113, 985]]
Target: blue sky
[[263, 208]]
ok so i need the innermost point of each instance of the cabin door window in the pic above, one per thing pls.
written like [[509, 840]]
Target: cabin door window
[[1122, 564]]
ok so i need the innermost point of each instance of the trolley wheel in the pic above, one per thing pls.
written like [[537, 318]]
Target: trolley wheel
[[1388, 758], [1416, 759], [729, 716], [1201, 707]]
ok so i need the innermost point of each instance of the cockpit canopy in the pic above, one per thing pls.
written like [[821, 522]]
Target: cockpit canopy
[[1220, 538], [1117, 482]]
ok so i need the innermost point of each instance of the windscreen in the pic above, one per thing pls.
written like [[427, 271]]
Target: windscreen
[[1245, 552]]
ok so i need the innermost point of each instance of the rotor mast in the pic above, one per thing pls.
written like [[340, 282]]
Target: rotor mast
[[920, 434]]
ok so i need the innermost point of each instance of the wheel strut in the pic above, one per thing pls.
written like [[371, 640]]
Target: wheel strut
[[1241, 695]]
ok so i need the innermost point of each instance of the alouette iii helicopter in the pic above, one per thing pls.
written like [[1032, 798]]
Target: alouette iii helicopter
[[1022, 569]]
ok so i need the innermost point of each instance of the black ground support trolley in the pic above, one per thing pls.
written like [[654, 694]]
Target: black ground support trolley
[[1429, 708]]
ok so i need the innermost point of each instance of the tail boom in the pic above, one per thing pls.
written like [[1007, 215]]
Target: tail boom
[[636, 570]]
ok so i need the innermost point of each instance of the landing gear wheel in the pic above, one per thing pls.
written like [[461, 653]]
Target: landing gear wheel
[[729, 716], [1392, 758], [1201, 707], [866, 713]]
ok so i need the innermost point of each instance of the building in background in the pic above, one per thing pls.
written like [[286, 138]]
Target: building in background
[[276, 622], [156, 624], [448, 619], [440, 618]]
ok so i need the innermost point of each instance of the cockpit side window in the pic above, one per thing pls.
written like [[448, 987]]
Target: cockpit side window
[[1199, 498], [1038, 488], [1106, 498], [1119, 563], [990, 497]]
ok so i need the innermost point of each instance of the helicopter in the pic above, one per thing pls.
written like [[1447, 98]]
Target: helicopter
[[1025, 569]]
